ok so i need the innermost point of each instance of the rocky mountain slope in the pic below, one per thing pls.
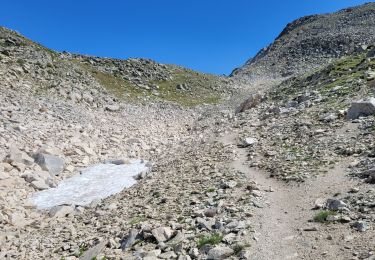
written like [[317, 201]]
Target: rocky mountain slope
[[313, 41], [81, 78], [287, 174]]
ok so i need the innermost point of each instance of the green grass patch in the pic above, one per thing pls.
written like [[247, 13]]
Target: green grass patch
[[322, 216], [346, 64], [212, 239], [82, 250], [117, 86], [137, 220], [210, 189], [199, 88], [21, 62], [198, 92]]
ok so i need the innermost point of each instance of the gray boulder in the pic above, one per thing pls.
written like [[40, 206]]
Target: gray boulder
[[220, 252], [128, 241], [360, 226], [93, 252], [162, 234], [39, 185], [361, 108], [333, 204], [51, 163]]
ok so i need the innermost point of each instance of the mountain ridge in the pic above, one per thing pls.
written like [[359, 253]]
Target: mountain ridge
[[312, 41]]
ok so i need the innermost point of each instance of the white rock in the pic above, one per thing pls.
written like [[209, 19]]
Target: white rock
[[112, 108], [162, 234], [60, 211], [249, 141]]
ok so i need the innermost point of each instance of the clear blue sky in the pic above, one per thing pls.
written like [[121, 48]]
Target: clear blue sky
[[207, 35]]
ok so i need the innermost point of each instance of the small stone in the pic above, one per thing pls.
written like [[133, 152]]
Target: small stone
[[354, 190], [249, 141], [328, 118], [228, 184], [60, 211], [335, 205], [39, 185], [220, 252], [202, 223], [168, 255], [256, 193], [319, 203], [210, 213], [310, 229], [361, 226], [112, 108]]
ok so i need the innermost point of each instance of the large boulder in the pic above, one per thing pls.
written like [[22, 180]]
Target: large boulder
[[162, 234], [361, 108], [51, 163]]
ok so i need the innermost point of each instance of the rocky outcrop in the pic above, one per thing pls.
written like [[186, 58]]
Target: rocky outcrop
[[313, 41]]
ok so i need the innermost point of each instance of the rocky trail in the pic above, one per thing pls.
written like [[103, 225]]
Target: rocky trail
[[283, 226]]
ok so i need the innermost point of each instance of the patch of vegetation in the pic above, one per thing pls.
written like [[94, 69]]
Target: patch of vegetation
[[198, 88], [210, 189], [137, 220], [103, 258], [322, 216], [21, 62], [82, 249], [117, 86], [197, 93], [212, 239], [344, 74], [238, 248], [346, 64]]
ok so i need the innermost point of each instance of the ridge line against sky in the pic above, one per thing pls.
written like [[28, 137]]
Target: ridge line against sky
[[209, 36]]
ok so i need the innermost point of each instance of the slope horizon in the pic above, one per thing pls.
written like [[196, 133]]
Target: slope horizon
[[240, 41]]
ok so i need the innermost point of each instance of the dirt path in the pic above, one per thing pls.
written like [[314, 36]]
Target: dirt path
[[282, 224]]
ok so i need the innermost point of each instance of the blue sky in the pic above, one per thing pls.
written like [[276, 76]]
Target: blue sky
[[212, 36]]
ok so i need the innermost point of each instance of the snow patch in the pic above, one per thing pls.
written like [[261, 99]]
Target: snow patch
[[97, 182]]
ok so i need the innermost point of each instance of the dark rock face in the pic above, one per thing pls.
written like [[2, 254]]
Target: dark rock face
[[312, 41]]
